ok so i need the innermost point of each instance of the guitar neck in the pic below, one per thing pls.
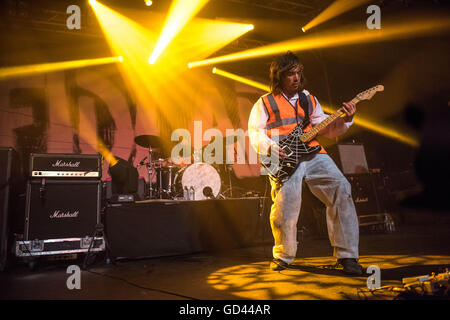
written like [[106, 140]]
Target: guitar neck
[[308, 136]]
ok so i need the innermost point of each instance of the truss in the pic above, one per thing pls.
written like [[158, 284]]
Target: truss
[[302, 8]]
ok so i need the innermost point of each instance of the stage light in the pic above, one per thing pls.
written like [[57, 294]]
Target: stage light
[[12, 72], [148, 3], [214, 70], [120, 58], [412, 27], [180, 13], [92, 2], [303, 29], [371, 125]]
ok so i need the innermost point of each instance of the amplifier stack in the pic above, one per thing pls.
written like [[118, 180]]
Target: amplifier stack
[[368, 190], [63, 205]]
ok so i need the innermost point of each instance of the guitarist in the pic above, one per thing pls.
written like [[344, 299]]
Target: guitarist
[[273, 117]]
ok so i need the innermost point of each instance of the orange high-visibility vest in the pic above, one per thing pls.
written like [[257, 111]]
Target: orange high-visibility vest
[[282, 116]]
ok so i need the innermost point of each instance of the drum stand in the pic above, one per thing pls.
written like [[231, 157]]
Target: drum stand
[[163, 190], [170, 182], [229, 168]]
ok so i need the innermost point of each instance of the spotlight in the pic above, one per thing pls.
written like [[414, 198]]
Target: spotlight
[[148, 3], [120, 58], [92, 2], [251, 27], [214, 70], [190, 65], [150, 60], [303, 29]]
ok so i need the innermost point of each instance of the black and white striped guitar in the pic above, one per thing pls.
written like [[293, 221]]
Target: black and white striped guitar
[[295, 145]]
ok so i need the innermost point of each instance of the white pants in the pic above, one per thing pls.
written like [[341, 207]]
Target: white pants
[[330, 186]]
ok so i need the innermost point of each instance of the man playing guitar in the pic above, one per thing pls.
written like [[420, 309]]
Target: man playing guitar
[[272, 119]]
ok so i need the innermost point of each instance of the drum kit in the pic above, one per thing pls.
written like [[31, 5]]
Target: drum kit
[[196, 181]]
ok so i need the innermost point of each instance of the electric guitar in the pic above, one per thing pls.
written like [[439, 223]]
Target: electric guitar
[[295, 145]]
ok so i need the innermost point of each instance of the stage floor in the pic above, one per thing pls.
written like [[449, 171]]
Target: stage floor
[[243, 273]]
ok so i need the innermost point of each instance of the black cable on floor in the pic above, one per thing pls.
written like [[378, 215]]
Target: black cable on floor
[[141, 287]]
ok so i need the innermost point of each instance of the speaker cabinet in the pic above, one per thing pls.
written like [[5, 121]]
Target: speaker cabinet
[[6, 156], [160, 228], [58, 209], [364, 194]]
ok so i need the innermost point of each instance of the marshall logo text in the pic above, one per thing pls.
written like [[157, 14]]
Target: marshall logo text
[[361, 200], [70, 164], [58, 214]]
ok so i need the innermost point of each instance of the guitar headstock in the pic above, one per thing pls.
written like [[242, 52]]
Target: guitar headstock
[[369, 93]]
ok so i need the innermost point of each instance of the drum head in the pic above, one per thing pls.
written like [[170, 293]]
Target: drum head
[[201, 176]]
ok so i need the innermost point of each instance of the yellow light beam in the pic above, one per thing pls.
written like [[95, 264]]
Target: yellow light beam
[[338, 7], [180, 13], [240, 79], [340, 37], [107, 154], [88, 133], [381, 129], [166, 87], [21, 71], [386, 131]]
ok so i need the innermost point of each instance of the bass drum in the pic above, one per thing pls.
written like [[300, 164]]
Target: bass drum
[[203, 177]]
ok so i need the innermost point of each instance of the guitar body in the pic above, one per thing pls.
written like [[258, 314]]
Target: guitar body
[[281, 170]]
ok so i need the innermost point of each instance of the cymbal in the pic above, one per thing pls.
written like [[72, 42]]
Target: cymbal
[[148, 141]]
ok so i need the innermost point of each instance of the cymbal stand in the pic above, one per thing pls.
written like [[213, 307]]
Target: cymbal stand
[[150, 173], [159, 172]]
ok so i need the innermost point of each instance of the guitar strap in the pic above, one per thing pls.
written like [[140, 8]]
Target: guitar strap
[[303, 101]]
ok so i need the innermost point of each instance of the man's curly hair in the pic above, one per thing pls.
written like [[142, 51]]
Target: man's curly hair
[[281, 65]]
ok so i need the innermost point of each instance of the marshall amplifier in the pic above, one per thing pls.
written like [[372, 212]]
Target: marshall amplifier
[[56, 165], [364, 194], [61, 216]]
